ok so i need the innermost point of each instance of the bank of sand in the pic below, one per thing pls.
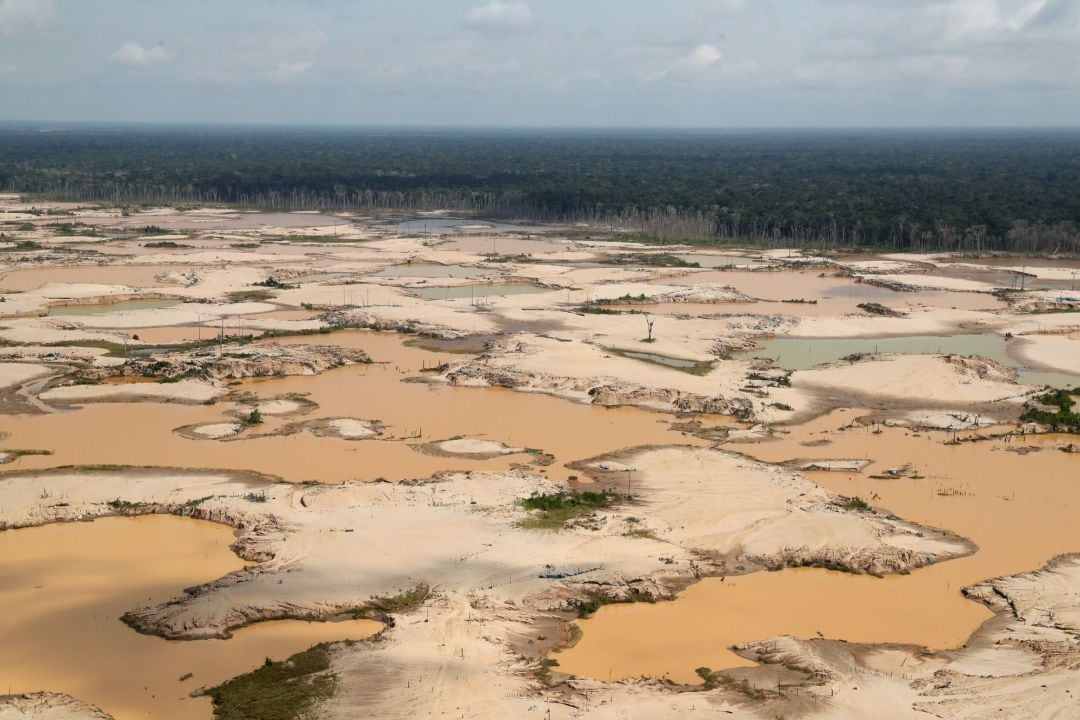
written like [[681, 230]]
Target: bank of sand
[[695, 512]]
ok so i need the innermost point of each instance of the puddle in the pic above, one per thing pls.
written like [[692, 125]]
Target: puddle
[[691, 366], [477, 291], [717, 261], [442, 226], [226, 220], [505, 245], [134, 275], [832, 295], [424, 270], [569, 431], [805, 353], [103, 309], [64, 587], [1019, 510]]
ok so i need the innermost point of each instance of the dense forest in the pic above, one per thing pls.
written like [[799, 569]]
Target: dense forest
[[1015, 190]]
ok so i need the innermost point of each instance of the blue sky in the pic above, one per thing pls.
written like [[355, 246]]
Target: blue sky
[[682, 63]]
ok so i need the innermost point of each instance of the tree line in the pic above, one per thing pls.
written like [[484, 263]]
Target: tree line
[[919, 190]]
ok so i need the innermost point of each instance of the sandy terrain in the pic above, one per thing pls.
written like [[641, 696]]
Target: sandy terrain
[[187, 391], [491, 593]]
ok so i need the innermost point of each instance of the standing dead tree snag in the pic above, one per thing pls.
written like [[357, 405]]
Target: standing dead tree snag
[[649, 320]]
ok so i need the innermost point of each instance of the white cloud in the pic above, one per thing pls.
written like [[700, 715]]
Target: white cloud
[[133, 54], [700, 61], [17, 15], [287, 71], [501, 16]]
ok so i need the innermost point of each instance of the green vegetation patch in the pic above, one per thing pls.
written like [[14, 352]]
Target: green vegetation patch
[[1063, 419], [271, 282], [651, 260], [165, 245], [284, 690], [593, 601], [402, 602], [854, 503], [553, 510], [240, 296]]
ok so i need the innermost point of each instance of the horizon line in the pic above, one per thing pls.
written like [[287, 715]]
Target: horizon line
[[32, 124]]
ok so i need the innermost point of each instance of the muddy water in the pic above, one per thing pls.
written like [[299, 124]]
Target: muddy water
[[234, 221], [421, 270], [142, 433], [833, 295], [104, 309], [133, 275], [707, 260], [1019, 509], [459, 292], [506, 245], [64, 587]]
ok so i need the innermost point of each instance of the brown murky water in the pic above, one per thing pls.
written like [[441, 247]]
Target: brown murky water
[[833, 295], [64, 587], [1019, 509], [142, 433], [135, 275]]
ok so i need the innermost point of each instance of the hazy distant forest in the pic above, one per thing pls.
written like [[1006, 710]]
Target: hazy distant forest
[[920, 190]]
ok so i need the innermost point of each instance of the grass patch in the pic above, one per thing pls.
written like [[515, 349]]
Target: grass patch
[[651, 260], [24, 453], [854, 503], [283, 690], [276, 284], [877, 309], [23, 245], [240, 296], [713, 680], [593, 601], [164, 244], [553, 510], [401, 602], [595, 309], [119, 505]]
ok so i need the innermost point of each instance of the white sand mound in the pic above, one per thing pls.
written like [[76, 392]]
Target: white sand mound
[[923, 379], [280, 407], [14, 374], [216, 431], [352, 429], [47, 706], [1057, 352], [476, 446], [185, 391]]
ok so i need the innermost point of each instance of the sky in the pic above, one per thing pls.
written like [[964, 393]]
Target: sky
[[548, 63]]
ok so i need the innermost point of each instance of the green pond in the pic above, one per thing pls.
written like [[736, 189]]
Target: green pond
[[805, 353]]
